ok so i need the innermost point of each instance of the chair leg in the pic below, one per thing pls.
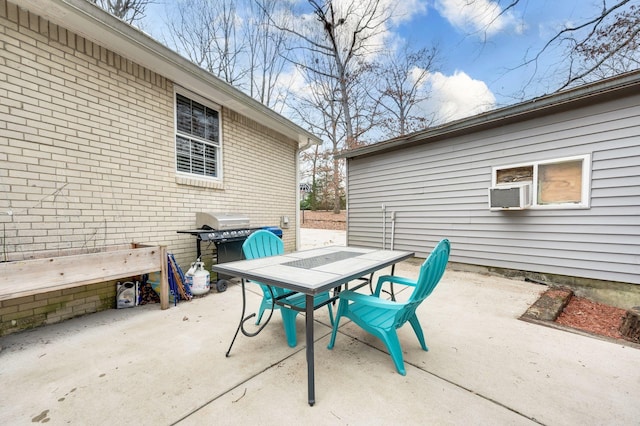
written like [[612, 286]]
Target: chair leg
[[334, 332], [260, 312], [342, 308], [415, 324], [331, 319], [289, 323], [391, 341]]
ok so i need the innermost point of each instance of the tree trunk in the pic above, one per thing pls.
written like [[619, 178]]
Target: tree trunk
[[336, 184], [630, 327]]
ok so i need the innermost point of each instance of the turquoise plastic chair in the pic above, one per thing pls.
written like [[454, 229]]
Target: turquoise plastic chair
[[383, 317], [263, 243]]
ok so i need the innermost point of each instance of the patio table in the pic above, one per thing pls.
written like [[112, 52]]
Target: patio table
[[311, 272]]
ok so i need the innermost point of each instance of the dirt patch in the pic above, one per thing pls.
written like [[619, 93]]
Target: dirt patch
[[322, 219], [561, 307], [593, 317]]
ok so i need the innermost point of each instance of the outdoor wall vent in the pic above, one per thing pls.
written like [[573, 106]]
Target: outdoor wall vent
[[510, 197]]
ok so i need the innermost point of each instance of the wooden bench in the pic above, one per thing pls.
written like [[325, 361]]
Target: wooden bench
[[26, 274]]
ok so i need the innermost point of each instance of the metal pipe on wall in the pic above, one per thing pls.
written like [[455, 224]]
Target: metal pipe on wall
[[393, 228], [384, 227]]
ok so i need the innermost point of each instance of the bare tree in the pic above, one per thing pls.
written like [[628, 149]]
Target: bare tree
[[265, 47], [128, 10], [320, 173], [234, 40], [320, 110], [207, 33], [346, 34], [604, 44], [334, 49], [401, 88], [614, 48]]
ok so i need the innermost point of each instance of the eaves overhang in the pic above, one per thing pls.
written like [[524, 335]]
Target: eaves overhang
[[616, 87], [100, 27]]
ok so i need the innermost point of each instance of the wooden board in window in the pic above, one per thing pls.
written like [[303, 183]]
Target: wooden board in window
[[560, 183]]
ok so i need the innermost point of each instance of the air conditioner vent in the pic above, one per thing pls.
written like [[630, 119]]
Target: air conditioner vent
[[510, 197]]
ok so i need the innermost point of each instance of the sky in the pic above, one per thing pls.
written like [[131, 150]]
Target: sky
[[481, 50], [482, 55]]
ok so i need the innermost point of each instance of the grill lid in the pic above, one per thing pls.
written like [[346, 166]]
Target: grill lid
[[221, 221]]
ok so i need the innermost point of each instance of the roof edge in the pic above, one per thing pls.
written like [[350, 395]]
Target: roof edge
[[589, 93], [99, 26]]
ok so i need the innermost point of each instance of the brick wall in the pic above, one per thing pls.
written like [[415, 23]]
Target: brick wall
[[55, 306], [87, 154]]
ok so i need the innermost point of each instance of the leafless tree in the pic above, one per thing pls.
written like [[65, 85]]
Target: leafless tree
[[401, 88], [207, 32], [320, 172], [335, 43], [602, 45], [235, 40], [130, 11], [345, 34], [320, 110], [265, 48], [614, 48]]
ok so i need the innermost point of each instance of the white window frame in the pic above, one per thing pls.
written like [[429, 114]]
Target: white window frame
[[211, 105], [585, 201]]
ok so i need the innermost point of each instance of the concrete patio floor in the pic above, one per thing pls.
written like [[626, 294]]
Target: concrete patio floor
[[153, 367]]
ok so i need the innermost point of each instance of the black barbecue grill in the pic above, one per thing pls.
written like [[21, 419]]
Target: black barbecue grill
[[227, 231]]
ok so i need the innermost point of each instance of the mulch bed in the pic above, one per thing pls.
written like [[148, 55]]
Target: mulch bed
[[593, 317]]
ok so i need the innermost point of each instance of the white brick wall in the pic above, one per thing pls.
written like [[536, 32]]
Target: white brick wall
[[87, 159], [87, 150]]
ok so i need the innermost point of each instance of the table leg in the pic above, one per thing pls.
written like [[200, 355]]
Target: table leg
[[244, 306], [393, 272], [310, 361], [244, 319]]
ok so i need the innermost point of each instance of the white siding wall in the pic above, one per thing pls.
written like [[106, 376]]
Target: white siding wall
[[87, 152], [439, 189]]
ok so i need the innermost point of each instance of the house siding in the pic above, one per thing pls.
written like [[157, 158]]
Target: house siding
[[439, 189], [87, 152]]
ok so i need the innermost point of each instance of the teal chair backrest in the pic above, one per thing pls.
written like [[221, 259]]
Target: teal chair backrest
[[430, 273], [262, 243]]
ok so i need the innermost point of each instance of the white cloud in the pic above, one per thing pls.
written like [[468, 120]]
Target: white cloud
[[457, 96], [484, 17], [406, 10]]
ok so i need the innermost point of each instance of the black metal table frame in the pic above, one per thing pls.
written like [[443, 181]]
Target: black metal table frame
[[278, 300], [309, 303]]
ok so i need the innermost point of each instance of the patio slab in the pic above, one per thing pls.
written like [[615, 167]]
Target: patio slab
[[484, 366]]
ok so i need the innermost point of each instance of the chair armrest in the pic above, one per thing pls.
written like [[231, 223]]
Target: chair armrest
[[370, 300], [393, 279]]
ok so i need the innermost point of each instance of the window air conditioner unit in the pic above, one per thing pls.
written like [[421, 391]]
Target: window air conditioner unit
[[510, 197]]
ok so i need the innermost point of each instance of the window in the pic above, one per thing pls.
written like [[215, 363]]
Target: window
[[197, 138], [559, 183]]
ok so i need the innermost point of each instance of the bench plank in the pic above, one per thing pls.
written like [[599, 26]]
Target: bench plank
[[34, 276]]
